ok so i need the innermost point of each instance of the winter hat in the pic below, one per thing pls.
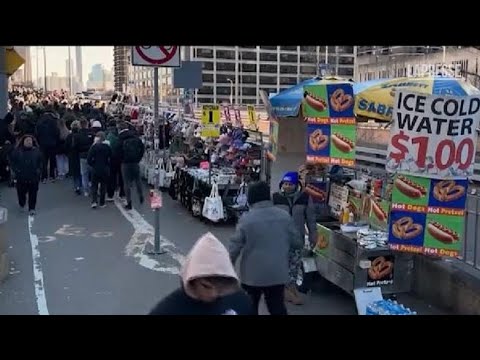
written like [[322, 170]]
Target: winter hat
[[258, 191], [291, 177], [96, 124]]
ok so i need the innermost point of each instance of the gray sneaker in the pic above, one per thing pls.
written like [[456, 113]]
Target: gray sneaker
[[94, 205]]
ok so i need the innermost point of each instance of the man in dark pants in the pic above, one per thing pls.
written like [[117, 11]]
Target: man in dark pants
[[99, 158], [131, 150], [48, 135], [264, 236], [115, 179], [27, 166]]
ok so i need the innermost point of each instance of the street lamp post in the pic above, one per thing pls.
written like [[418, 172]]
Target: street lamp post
[[37, 83], [45, 68], [231, 91]]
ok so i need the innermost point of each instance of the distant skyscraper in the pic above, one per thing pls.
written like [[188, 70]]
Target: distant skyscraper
[[79, 65], [28, 65], [69, 71]]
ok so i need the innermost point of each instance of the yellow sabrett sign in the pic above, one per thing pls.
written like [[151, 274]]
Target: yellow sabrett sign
[[13, 60]]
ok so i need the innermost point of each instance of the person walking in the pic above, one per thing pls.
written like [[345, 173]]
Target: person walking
[[115, 180], [131, 150], [47, 135], [209, 285], [299, 205], [27, 167], [61, 156], [74, 157], [99, 159], [264, 237], [82, 141]]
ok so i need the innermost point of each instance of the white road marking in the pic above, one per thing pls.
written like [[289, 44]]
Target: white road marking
[[46, 239], [79, 258], [102, 234], [144, 234], [37, 271]]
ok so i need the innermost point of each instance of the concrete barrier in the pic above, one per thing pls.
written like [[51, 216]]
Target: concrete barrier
[[451, 285]]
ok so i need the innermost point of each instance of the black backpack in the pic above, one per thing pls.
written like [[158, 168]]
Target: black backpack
[[133, 150]]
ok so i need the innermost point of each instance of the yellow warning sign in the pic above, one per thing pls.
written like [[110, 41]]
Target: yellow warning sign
[[13, 60], [211, 121], [252, 118]]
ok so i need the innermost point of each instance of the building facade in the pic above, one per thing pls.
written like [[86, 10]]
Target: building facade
[[121, 61], [372, 66], [240, 72], [79, 67]]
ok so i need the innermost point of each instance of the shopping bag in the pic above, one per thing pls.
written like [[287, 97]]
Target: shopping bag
[[161, 173], [213, 205], [150, 174], [241, 198], [169, 173]]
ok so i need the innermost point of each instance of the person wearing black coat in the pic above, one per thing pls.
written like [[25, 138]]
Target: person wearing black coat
[[83, 140], [48, 134], [74, 157], [27, 167], [99, 159]]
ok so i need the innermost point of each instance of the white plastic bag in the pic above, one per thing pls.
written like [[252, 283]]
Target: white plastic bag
[[241, 199], [213, 205], [169, 173], [161, 173]]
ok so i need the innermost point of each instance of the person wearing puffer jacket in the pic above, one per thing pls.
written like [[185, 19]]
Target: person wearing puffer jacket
[[209, 284], [300, 206]]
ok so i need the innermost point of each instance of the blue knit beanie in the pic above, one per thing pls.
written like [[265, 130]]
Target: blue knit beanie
[[291, 177]]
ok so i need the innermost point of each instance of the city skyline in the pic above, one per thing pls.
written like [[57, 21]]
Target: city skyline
[[58, 55]]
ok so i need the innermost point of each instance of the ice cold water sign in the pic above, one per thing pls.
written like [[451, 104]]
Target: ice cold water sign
[[433, 136]]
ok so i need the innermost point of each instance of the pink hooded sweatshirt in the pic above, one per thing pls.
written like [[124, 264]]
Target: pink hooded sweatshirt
[[208, 257]]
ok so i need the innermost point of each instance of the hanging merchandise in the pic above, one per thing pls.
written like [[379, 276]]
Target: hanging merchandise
[[213, 205]]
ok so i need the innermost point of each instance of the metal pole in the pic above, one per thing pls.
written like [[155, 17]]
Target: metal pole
[[37, 83], [3, 83], [444, 54], [45, 68], [156, 243], [69, 72]]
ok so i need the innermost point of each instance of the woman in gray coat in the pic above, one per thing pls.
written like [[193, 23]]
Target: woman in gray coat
[[299, 205]]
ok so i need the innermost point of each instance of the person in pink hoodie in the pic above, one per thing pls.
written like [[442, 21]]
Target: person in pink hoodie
[[210, 285]]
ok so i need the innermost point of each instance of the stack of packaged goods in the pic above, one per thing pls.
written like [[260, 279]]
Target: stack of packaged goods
[[388, 307]]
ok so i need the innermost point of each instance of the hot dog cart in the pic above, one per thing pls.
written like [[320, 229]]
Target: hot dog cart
[[347, 264]]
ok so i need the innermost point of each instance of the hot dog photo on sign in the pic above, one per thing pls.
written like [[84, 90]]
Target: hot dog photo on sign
[[433, 135], [315, 101]]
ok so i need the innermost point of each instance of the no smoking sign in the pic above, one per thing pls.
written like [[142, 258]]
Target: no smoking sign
[[163, 56]]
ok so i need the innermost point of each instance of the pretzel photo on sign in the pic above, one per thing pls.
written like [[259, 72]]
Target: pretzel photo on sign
[[405, 229], [339, 101], [447, 190], [317, 140], [381, 268]]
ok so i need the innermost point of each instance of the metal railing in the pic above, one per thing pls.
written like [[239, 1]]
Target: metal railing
[[470, 253]]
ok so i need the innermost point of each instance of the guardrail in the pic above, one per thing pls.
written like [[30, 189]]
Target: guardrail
[[376, 158]]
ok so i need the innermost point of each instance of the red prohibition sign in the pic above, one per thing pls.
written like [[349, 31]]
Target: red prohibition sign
[[167, 51]]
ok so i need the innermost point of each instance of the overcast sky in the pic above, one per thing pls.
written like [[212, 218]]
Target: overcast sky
[[57, 56]]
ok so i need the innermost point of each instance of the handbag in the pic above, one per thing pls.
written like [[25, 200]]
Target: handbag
[[213, 205]]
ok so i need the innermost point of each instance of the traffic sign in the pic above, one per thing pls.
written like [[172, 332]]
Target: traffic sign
[[252, 117], [211, 121], [162, 56]]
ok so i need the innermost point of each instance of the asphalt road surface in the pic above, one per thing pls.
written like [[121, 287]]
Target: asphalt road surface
[[70, 259]]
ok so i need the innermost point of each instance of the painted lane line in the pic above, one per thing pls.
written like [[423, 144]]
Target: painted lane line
[[144, 234], [37, 271]]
